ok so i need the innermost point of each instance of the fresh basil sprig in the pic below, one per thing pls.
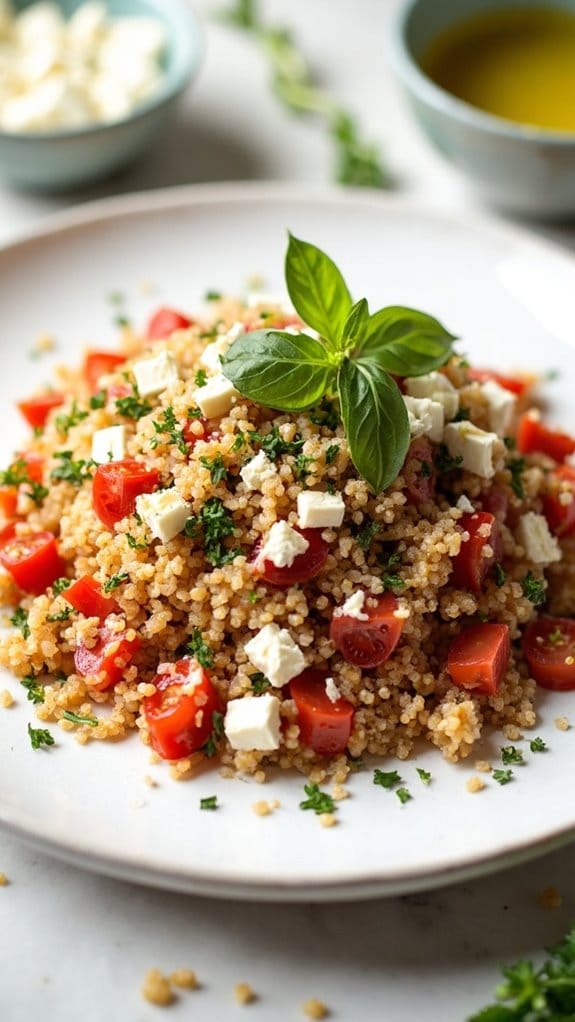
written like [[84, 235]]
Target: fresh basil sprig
[[352, 360]]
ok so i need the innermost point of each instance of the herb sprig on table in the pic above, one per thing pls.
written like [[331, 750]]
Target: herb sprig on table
[[354, 360]]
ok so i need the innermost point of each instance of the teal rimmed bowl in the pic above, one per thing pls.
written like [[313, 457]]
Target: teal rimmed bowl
[[69, 158], [516, 167]]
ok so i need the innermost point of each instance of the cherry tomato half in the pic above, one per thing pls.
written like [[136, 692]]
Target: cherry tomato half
[[419, 472], [533, 436], [549, 648], [98, 364], [180, 713], [370, 642], [471, 565], [479, 657], [8, 501], [516, 384], [32, 560], [304, 567], [37, 409], [104, 664], [324, 726], [560, 516], [164, 322], [86, 596], [116, 485]]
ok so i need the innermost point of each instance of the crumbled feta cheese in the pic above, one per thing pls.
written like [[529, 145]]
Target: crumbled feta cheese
[[257, 471], [283, 544], [500, 406], [165, 513], [216, 397], [210, 357], [109, 444], [426, 417], [253, 722], [464, 504], [475, 447], [353, 607], [320, 510], [437, 387], [274, 652], [331, 690], [155, 374], [534, 535]]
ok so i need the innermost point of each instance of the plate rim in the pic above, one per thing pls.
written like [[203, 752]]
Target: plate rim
[[204, 882]]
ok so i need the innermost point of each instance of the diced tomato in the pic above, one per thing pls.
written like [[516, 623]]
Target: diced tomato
[[560, 516], [34, 465], [8, 501], [533, 436], [37, 409], [98, 364], [86, 596], [471, 565], [370, 642], [516, 384], [116, 485], [164, 322], [419, 472], [549, 648], [479, 657], [180, 722], [32, 560], [104, 664], [324, 726], [194, 430], [304, 567]]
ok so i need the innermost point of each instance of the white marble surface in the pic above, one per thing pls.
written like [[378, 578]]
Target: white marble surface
[[75, 945]]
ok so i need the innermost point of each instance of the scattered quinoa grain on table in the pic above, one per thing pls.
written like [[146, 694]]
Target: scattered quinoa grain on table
[[264, 808], [4, 880], [156, 988], [327, 819], [483, 766], [550, 898], [184, 978], [561, 723], [6, 699], [244, 993], [315, 1009], [474, 784]]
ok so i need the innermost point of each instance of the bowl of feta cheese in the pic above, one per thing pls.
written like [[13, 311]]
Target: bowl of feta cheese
[[86, 85]]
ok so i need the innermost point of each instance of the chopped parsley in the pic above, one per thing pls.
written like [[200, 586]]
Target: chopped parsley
[[39, 737], [254, 596], [500, 575], [60, 585], [463, 415], [403, 795], [273, 444], [70, 471], [34, 692], [259, 682], [424, 775], [210, 802], [330, 487], [62, 615], [355, 763], [167, 426], [239, 442], [98, 400], [16, 473], [20, 620], [64, 422], [77, 718], [212, 296], [367, 535], [133, 543], [216, 523], [537, 745], [444, 461], [194, 413], [326, 415], [116, 580], [301, 467], [116, 298], [503, 776], [509, 754], [200, 379], [331, 454], [386, 779], [216, 467], [210, 748], [199, 649], [37, 492], [533, 589], [516, 467], [122, 320], [132, 406], [510, 442], [391, 579], [317, 800]]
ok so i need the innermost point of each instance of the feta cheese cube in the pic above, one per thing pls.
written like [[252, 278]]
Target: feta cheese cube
[[283, 544], [216, 397], [274, 652], [210, 357], [109, 444], [253, 722], [534, 535], [331, 690], [464, 504], [320, 510], [257, 471], [437, 387], [500, 406], [353, 607], [474, 446], [155, 374], [426, 417], [165, 513]]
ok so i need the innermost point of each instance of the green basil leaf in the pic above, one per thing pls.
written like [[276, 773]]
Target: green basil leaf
[[355, 324], [285, 371], [375, 421], [405, 342], [317, 289]]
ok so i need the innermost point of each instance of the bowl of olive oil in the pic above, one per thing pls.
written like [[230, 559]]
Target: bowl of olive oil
[[492, 84]]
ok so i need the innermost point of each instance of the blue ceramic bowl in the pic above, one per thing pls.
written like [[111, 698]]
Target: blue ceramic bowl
[[60, 160], [518, 168]]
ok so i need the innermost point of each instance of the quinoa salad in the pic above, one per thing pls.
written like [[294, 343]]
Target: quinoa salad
[[288, 538]]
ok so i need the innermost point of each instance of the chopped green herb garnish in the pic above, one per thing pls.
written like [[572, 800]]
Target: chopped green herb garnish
[[301, 467], [98, 400], [216, 523], [510, 442], [403, 795], [317, 800], [391, 579], [216, 467], [70, 471], [330, 488], [167, 426], [122, 320], [326, 415], [503, 776], [64, 422], [424, 775], [274, 445], [199, 649], [201, 378], [116, 298], [37, 493], [194, 413], [254, 596], [367, 535], [331, 454], [15, 474], [77, 718], [537, 745], [210, 802], [39, 737], [116, 580], [212, 296], [132, 406], [509, 754], [34, 691], [516, 467], [62, 615], [426, 470], [386, 779], [60, 585], [133, 543], [210, 748], [20, 620], [355, 763], [239, 442], [533, 589], [500, 575], [463, 415], [444, 461], [259, 682]]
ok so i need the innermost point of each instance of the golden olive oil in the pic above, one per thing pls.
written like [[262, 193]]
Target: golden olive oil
[[517, 64]]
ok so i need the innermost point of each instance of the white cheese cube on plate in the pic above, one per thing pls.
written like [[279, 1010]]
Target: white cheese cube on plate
[[155, 374], [320, 510], [165, 513], [274, 652], [426, 417], [474, 446], [257, 471], [353, 607], [216, 397], [210, 357], [253, 723], [500, 406], [534, 535], [109, 444], [437, 387], [283, 544]]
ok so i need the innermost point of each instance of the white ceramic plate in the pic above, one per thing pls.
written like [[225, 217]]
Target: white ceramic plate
[[510, 298]]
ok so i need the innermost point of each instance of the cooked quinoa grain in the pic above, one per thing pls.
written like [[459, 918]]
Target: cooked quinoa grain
[[156, 988], [561, 723], [6, 699], [244, 993], [184, 978], [474, 784], [315, 1009], [4, 880]]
